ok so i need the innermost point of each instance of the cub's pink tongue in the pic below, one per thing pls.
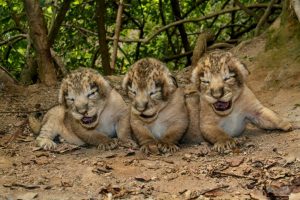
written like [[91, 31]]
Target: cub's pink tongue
[[221, 106], [88, 120]]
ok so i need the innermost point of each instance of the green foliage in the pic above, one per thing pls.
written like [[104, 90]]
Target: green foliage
[[77, 41]]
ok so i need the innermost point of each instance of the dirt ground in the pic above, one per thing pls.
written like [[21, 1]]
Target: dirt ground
[[265, 166]]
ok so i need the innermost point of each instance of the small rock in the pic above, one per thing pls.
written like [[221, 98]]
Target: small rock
[[235, 162], [27, 196]]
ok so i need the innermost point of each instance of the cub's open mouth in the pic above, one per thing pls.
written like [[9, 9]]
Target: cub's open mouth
[[89, 120], [222, 106], [147, 116]]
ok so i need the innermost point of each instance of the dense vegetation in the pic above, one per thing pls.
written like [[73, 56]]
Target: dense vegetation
[[74, 29]]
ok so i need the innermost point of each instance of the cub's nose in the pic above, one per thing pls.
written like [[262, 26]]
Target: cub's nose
[[141, 105], [217, 92], [82, 109]]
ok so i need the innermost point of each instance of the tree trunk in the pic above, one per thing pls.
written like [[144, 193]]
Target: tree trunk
[[289, 29], [186, 45], [100, 14], [38, 35]]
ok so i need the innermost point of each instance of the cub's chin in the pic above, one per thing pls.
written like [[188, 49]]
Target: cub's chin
[[89, 121], [222, 108]]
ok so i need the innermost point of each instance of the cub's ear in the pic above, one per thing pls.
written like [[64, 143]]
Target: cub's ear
[[126, 82], [103, 86], [195, 77], [169, 84], [241, 67], [63, 90]]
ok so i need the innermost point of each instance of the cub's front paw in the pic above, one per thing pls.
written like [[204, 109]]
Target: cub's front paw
[[108, 145], [45, 143], [224, 145], [168, 147], [149, 148]]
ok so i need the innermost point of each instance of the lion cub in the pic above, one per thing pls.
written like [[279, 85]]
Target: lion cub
[[226, 103], [158, 114], [89, 112]]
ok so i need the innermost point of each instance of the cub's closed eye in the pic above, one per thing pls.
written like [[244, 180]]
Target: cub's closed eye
[[205, 81], [227, 78], [70, 99], [132, 92], [92, 93]]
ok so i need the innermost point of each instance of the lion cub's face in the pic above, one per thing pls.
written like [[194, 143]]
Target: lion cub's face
[[83, 93], [148, 84], [220, 77]]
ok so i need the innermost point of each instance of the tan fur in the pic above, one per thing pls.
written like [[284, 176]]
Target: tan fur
[[158, 113], [220, 79], [90, 112]]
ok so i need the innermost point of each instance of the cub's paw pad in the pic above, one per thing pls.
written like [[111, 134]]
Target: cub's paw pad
[[168, 148], [45, 143], [224, 145], [109, 145], [149, 149]]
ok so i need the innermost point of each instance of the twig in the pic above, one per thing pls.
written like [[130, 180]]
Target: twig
[[214, 46], [31, 111], [249, 12], [13, 80], [264, 17], [224, 174], [13, 38], [117, 34]]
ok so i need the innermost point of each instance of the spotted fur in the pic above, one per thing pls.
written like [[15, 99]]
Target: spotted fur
[[158, 112], [89, 112], [226, 103]]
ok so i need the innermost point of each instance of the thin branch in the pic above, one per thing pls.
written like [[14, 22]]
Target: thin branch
[[11, 77], [228, 26], [141, 33], [12, 29], [161, 12], [13, 38], [195, 6], [214, 46], [58, 21], [147, 39], [216, 17], [264, 18], [95, 57], [117, 34], [243, 7]]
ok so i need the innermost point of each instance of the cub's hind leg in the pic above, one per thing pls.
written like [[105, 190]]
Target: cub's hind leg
[[265, 118]]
